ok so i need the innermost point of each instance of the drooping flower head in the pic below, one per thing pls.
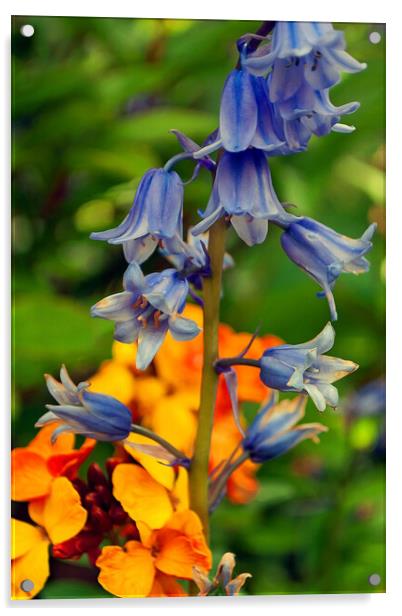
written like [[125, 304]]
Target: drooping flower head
[[147, 309], [83, 412], [274, 431], [305, 368], [156, 213], [325, 254], [311, 52], [243, 191]]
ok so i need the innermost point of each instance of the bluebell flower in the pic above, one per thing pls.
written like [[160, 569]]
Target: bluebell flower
[[247, 117], [305, 368], [243, 192], [83, 412], [157, 213], [325, 254], [274, 431], [147, 309], [310, 52]]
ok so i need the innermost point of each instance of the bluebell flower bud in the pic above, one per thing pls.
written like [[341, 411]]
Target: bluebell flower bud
[[274, 431], [147, 309], [156, 213], [305, 368], [325, 254], [244, 192], [83, 412]]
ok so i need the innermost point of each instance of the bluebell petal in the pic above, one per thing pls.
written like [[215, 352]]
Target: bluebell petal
[[238, 113], [230, 377], [45, 419], [169, 292], [343, 128], [283, 443], [183, 329], [127, 331], [59, 392], [251, 230], [317, 397], [287, 78], [149, 341], [134, 279], [207, 222], [323, 342], [117, 307], [139, 250], [332, 369]]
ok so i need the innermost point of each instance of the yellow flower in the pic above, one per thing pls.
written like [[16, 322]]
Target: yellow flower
[[59, 516]]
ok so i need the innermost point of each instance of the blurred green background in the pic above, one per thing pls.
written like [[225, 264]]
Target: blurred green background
[[93, 101]]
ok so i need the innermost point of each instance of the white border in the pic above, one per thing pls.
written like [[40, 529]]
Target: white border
[[342, 10]]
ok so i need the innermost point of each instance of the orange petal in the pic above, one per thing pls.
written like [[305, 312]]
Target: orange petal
[[166, 586], [160, 472], [23, 537], [42, 444], [30, 475], [67, 464], [176, 555], [63, 515], [128, 571], [31, 548], [114, 379], [189, 524], [141, 496]]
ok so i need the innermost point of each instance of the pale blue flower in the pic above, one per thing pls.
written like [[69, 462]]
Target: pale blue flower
[[274, 430], [325, 254], [305, 368], [243, 192], [147, 309], [157, 213], [83, 412]]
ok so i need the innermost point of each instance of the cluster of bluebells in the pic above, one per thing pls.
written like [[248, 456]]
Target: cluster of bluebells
[[272, 104]]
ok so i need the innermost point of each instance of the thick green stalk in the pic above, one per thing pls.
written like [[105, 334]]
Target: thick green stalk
[[212, 296]]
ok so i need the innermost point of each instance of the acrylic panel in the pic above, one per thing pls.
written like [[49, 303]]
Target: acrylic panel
[[199, 385]]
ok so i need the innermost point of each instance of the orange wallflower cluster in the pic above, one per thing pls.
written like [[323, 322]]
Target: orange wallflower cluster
[[138, 507]]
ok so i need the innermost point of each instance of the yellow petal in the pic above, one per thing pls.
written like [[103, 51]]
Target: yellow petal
[[32, 566], [30, 475], [63, 515], [150, 390], [128, 571], [174, 418], [160, 472], [125, 353], [114, 379], [23, 537], [36, 510], [180, 492], [141, 496]]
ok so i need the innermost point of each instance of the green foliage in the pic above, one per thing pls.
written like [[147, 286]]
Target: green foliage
[[93, 102]]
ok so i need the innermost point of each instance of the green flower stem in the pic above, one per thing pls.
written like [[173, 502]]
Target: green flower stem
[[211, 296]]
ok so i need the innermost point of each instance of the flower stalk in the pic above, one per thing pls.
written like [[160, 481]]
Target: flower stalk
[[212, 295]]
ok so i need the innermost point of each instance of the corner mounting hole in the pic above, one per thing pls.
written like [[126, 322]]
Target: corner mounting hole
[[374, 37], [374, 579], [27, 585], [27, 30]]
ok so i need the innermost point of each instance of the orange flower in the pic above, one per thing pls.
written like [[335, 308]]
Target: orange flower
[[35, 467], [149, 567], [114, 379], [60, 516], [179, 364]]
